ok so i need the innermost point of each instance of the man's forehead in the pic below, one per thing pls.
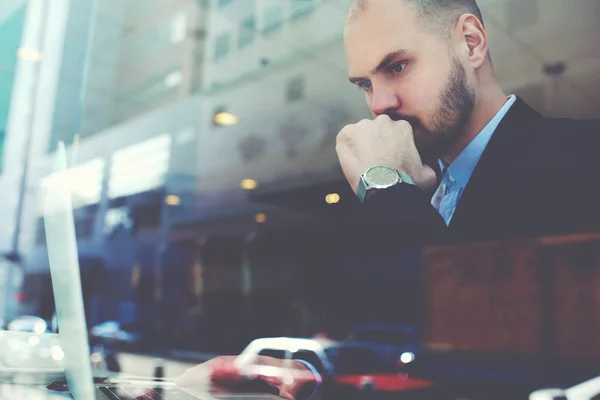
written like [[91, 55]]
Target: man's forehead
[[371, 38], [375, 10], [382, 19], [360, 7]]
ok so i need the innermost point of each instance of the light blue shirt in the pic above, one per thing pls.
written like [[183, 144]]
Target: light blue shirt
[[457, 175]]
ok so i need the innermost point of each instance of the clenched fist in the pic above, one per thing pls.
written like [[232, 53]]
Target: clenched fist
[[381, 141]]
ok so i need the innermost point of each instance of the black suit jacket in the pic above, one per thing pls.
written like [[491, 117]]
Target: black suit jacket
[[537, 176]]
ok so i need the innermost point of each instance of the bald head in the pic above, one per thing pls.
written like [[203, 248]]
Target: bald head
[[439, 15]]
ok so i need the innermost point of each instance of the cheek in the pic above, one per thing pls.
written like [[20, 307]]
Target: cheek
[[422, 91]]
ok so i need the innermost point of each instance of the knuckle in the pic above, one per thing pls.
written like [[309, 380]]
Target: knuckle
[[342, 138], [405, 125], [345, 133]]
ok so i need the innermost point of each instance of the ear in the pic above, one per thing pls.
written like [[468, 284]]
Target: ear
[[472, 37]]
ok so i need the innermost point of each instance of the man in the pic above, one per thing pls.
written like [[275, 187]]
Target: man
[[502, 169]]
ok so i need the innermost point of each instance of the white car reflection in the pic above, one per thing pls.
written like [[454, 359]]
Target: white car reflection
[[588, 390], [28, 323]]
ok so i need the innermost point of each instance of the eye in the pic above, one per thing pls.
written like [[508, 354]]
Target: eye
[[396, 69], [365, 85]]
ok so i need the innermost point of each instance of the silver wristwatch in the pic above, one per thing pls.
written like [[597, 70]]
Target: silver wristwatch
[[380, 177]]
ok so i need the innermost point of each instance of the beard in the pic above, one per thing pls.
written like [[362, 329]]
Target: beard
[[440, 131]]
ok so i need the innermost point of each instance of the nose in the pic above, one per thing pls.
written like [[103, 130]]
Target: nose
[[384, 101]]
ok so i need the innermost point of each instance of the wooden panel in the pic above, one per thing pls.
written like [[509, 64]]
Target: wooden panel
[[575, 294], [484, 296]]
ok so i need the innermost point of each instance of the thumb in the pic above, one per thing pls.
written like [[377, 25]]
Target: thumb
[[425, 177], [287, 394]]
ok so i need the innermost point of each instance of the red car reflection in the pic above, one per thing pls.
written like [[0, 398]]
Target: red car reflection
[[347, 365], [384, 382], [364, 369]]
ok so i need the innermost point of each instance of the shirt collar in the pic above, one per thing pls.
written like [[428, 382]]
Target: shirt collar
[[463, 166]]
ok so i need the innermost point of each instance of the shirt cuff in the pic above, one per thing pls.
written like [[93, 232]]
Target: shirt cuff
[[318, 378]]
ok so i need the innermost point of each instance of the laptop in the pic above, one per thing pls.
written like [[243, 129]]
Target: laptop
[[66, 285]]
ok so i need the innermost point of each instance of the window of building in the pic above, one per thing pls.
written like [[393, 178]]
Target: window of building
[[295, 89], [222, 46], [301, 7], [179, 27], [273, 16], [246, 32], [139, 167]]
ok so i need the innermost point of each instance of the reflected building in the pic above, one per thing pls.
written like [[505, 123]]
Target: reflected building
[[162, 212]]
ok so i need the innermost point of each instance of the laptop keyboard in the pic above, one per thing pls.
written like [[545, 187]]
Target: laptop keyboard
[[136, 393]]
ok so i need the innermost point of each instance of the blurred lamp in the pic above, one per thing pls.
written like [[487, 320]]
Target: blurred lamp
[[40, 327], [225, 119], [260, 218], [407, 357], [96, 358], [332, 198], [172, 200], [57, 353], [248, 184]]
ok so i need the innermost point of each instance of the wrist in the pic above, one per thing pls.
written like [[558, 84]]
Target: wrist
[[371, 193], [378, 178]]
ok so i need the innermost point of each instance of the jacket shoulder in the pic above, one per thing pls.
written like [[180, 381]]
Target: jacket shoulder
[[563, 140]]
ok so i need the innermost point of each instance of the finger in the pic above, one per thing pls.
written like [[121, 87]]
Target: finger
[[200, 375], [271, 380], [286, 394]]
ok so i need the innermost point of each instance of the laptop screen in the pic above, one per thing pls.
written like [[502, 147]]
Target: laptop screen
[[66, 284]]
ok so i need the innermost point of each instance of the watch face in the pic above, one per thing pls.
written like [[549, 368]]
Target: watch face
[[381, 177]]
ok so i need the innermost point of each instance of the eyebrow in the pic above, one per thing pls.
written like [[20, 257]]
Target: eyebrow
[[384, 63]]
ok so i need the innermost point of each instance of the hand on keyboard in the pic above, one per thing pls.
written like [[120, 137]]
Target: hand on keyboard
[[289, 380]]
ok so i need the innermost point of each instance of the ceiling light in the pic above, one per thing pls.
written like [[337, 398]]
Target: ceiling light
[[260, 218], [248, 184], [172, 200], [224, 118], [332, 198]]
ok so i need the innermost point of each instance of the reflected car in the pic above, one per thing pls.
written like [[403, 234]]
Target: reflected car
[[398, 345], [112, 331], [363, 368], [589, 389], [309, 350], [341, 364], [28, 323]]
